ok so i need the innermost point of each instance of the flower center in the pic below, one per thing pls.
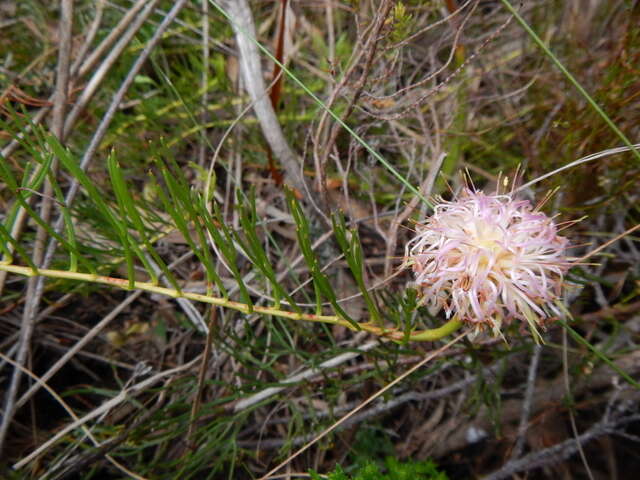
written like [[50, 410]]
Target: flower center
[[488, 239], [487, 236]]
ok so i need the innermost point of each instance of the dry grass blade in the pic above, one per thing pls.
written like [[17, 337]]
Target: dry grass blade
[[35, 285], [105, 407], [42, 383], [346, 417]]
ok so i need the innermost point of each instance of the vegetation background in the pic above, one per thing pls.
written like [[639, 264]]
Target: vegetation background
[[171, 309]]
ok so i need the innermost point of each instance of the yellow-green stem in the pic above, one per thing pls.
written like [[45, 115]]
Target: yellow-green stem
[[433, 334], [423, 335]]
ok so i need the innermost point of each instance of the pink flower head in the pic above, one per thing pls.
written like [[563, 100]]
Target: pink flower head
[[489, 259]]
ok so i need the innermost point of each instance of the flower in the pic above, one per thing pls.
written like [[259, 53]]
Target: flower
[[489, 259]]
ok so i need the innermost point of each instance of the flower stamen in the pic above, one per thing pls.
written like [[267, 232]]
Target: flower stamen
[[489, 259]]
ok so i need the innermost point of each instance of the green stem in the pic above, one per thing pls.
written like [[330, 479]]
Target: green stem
[[424, 335], [571, 78], [437, 333]]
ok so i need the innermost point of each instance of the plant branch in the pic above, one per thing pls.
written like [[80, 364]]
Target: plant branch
[[560, 451], [124, 395], [428, 335]]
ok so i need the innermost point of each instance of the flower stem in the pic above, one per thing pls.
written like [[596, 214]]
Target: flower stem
[[433, 334], [392, 333]]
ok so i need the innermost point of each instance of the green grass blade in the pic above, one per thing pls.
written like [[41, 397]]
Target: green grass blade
[[180, 203], [7, 238], [68, 226], [224, 242], [207, 258], [200, 213], [40, 175], [28, 185], [578, 338], [255, 251], [128, 209], [534, 36]]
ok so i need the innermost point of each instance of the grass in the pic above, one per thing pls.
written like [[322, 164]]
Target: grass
[[180, 303]]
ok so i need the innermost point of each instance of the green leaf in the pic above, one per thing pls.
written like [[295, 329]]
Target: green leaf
[[128, 208], [320, 281], [8, 177], [253, 248], [349, 242]]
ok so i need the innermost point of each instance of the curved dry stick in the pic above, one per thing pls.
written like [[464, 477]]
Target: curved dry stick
[[368, 51], [560, 451], [70, 353], [298, 377], [456, 43], [249, 59], [548, 394], [80, 69], [96, 80], [588, 158], [89, 37], [526, 404]]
